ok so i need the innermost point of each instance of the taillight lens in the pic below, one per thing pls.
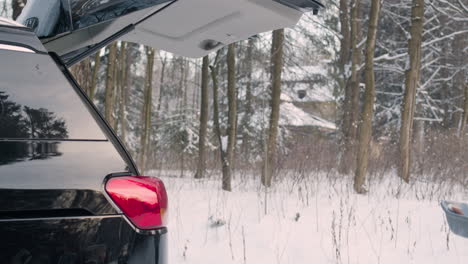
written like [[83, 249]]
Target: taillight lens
[[142, 199]]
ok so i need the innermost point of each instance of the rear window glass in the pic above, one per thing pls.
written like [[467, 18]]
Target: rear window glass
[[38, 102]]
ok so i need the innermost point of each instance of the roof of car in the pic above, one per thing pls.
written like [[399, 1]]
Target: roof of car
[[15, 36], [8, 22]]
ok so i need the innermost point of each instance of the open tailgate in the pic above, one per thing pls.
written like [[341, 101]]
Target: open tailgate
[[192, 28]]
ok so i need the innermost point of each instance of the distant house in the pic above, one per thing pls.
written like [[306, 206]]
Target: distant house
[[307, 101]]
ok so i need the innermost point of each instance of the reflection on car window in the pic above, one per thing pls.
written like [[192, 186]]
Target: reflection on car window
[[44, 105], [12, 123], [27, 122], [12, 152]]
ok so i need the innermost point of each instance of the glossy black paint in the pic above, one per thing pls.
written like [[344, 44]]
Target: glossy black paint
[[78, 240], [23, 37], [101, 122], [55, 153], [146, 248], [70, 177], [75, 165], [37, 101], [51, 203]]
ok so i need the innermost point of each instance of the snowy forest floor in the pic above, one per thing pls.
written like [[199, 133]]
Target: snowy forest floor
[[311, 219]]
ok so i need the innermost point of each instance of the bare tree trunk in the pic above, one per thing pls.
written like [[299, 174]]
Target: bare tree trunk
[[203, 120], [459, 46], [110, 82], [345, 49], [123, 90], [181, 84], [465, 114], [196, 92], [166, 102], [81, 73], [186, 71], [269, 161], [146, 114], [117, 89], [17, 6], [224, 160], [351, 104], [418, 133], [412, 76], [365, 132], [94, 77], [161, 83], [159, 116], [345, 43], [444, 59], [248, 102], [183, 107], [232, 116]]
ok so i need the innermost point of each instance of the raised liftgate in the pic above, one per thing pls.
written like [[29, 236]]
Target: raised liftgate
[[76, 28]]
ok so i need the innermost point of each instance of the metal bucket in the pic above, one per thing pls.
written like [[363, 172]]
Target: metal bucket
[[457, 222]]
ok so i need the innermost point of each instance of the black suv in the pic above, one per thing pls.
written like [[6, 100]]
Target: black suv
[[69, 190]]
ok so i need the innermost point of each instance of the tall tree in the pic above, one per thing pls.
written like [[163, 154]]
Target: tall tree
[[345, 42], [217, 126], [345, 50], [226, 152], [94, 77], [246, 126], [160, 115], [110, 82], [412, 76], [81, 72], [465, 113], [352, 90], [232, 117], [461, 60], [183, 107], [268, 167], [202, 135], [123, 89], [162, 84], [146, 113], [365, 131], [116, 94], [17, 6]]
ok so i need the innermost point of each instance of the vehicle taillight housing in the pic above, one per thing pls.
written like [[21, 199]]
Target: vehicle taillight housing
[[142, 199]]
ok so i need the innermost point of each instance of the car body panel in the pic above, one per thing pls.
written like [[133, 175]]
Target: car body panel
[[100, 239], [14, 34], [70, 44], [57, 175], [190, 26]]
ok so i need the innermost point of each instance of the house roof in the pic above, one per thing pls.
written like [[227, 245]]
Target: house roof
[[291, 115]]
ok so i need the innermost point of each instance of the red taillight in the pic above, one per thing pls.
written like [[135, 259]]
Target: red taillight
[[142, 199]]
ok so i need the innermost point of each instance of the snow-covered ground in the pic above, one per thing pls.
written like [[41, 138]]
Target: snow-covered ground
[[313, 220]]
